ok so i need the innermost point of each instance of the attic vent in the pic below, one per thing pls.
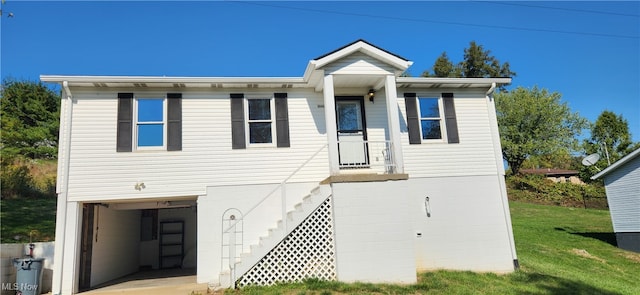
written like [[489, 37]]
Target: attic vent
[[287, 85], [252, 85], [216, 85], [100, 84], [179, 85], [140, 84], [436, 85]]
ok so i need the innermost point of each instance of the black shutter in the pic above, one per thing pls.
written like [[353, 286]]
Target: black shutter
[[450, 118], [124, 137], [282, 119], [413, 122], [174, 121], [238, 140]]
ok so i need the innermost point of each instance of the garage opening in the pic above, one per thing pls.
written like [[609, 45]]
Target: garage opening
[[136, 241]]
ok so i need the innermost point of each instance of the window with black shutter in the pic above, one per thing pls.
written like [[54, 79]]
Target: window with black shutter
[[149, 122], [259, 121], [429, 118]]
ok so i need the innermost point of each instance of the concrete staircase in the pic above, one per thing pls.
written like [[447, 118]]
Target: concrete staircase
[[275, 235]]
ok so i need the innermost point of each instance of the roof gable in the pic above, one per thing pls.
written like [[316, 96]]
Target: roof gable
[[365, 47], [617, 164]]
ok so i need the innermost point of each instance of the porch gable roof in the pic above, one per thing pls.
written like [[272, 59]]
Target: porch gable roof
[[360, 45]]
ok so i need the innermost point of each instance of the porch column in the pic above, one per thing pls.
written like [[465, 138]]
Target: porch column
[[394, 121], [330, 122]]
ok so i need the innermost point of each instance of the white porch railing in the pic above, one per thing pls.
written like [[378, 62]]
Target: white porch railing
[[374, 155]]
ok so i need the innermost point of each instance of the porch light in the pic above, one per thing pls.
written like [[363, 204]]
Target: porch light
[[371, 94]]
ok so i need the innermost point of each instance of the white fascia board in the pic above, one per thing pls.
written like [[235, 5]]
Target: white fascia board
[[477, 81], [158, 79], [367, 49], [617, 164]]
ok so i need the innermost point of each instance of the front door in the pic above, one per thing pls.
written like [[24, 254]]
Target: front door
[[352, 134]]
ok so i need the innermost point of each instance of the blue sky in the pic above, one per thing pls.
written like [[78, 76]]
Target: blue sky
[[587, 51]]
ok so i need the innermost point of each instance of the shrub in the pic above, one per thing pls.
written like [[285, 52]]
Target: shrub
[[538, 189], [27, 178]]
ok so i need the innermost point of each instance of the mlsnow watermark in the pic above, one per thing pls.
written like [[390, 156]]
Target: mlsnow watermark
[[19, 287]]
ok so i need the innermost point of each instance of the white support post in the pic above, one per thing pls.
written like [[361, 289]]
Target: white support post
[[71, 246], [394, 122], [330, 122]]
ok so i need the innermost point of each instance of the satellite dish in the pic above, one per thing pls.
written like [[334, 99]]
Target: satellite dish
[[590, 160]]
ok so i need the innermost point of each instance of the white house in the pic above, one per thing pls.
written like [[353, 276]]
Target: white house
[[622, 184], [350, 172]]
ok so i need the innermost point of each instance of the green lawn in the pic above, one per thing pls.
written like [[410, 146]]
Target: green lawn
[[561, 251], [19, 217]]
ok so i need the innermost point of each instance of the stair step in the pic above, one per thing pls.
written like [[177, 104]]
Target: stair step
[[275, 235]]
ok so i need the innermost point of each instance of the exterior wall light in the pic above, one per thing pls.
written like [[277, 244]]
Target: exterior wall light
[[371, 94]]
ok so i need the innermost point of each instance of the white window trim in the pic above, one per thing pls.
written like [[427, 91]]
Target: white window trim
[[443, 128], [272, 106], [164, 123]]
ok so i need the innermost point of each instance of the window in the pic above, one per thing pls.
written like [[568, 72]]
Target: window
[[430, 118], [150, 122], [260, 121]]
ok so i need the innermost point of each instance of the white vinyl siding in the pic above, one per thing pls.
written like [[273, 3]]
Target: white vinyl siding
[[623, 195], [359, 63], [98, 172], [474, 155]]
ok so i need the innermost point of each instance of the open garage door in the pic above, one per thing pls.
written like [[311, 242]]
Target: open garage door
[[137, 239]]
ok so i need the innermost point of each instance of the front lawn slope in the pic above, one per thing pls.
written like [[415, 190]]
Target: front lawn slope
[[574, 245]]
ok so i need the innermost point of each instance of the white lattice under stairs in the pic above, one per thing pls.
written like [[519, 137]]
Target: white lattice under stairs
[[304, 249]]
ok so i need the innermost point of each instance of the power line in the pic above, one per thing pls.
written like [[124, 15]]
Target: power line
[[437, 22], [558, 8]]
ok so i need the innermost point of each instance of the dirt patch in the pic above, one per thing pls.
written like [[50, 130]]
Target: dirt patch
[[584, 253], [631, 256]]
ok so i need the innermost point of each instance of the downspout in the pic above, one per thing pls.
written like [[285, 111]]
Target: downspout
[[492, 89], [501, 174], [63, 191]]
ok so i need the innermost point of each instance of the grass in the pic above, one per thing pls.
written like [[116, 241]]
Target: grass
[[30, 214], [561, 251], [24, 216]]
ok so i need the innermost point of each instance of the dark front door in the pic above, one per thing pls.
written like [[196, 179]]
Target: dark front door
[[352, 134]]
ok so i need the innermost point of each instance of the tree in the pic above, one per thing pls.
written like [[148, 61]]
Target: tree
[[480, 63], [443, 67], [610, 137], [534, 122], [477, 63], [30, 120]]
